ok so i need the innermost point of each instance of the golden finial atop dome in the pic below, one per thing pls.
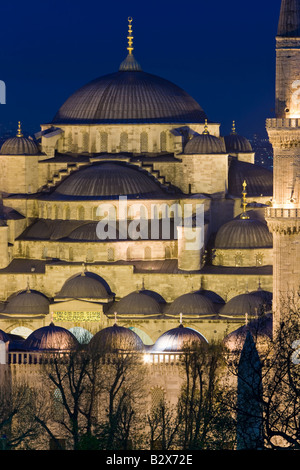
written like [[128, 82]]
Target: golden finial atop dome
[[19, 133], [130, 37], [233, 130], [205, 128], [244, 213]]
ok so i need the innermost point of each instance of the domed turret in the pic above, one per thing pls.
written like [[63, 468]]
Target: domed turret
[[116, 338], [50, 338], [86, 285], [19, 145], [177, 339], [203, 144]]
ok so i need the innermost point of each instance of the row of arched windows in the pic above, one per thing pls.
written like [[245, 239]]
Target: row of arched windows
[[124, 142]]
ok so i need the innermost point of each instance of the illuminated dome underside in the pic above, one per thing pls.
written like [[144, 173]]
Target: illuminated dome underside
[[130, 97]]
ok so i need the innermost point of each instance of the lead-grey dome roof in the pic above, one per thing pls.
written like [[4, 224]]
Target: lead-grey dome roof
[[242, 304], [137, 303], [243, 233], [259, 179], [19, 146], [236, 143], [106, 180], [86, 285], [130, 96], [27, 302], [203, 144], [193, 303]]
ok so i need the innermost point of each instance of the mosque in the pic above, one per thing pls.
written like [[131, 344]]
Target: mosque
[[133, 136], [79, 259]]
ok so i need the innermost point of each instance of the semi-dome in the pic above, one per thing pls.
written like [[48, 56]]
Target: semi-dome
[[109, 180], [243, 304], [243, 233], [86, 285], [203, 144], [129, 96], [137, 303], [259, 179], [115, 338], [177, 339], [193, 303], [50, 338], [27, 302], [19, 145]]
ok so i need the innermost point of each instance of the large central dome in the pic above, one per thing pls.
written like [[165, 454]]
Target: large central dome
[[130, 96]]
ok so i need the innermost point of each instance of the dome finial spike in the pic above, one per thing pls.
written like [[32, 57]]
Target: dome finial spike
[[244, 202], [233, 130], [130, 37], [115, 314], [19, 133], [180, 318], [28, 285], [205, 128], [246, 318]]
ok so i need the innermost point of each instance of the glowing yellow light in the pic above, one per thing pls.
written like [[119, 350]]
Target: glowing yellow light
[[147, 358]]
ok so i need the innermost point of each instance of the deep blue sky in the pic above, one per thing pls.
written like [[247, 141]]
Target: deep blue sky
[[221, 52]]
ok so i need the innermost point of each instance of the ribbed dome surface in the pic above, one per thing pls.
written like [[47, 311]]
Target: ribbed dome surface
[[203, 144], [116, 338], [259, 179], [137, 303], [86, 285], [85, 232], [28, 302], [192, 303], [130, 96], [107, 180], [242, 304], [236, 143], [176, 339], [244, 233], [50, 338], [19, 146]]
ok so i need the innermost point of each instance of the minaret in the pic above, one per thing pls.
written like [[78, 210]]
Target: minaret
[[283, 216]]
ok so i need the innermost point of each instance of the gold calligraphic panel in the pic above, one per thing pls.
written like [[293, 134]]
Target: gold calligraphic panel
[[77, 316]]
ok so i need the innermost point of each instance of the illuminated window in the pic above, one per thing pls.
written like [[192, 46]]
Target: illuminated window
[[103, 142], [144, 142], [163, 142], [157, 397], [124, 142], [58, 409]]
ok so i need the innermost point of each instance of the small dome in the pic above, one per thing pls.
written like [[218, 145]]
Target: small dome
[[20, 145], [86, 285], [116, 338], [236, 143], [50, 338], [244, 233], [106, 180], [260, 328], [86, 232], [242, 304], [203, 144], [176, 339], [193, 303], [28, 302], [137, 303]]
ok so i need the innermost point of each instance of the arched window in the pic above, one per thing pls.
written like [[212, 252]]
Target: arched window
[[103, 141], [85, 142], [239, 259], [110, 254], [57, 405], [157, 397], [124, 142], [163, 141], [80, 213], [167, 252], [144, 142]]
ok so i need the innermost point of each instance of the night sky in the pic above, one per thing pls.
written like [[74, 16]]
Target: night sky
[[221, 52]]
